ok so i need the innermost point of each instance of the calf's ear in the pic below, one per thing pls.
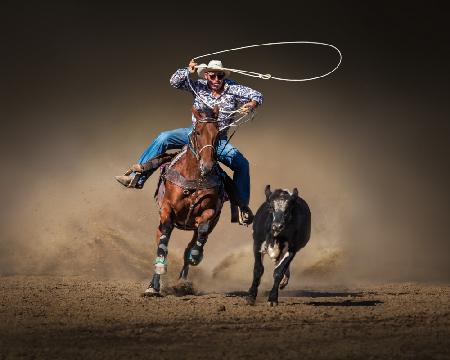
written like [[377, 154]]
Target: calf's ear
[[294, 193], [267, 192]]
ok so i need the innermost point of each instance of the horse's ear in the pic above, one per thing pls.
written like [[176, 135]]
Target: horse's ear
[[294, 193], [196, 113], [267, 192]]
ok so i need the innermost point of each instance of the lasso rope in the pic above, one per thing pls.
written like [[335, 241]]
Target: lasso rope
[[259, 75], [269, 76]]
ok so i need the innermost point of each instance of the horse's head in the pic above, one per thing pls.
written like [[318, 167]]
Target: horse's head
[[204, 138], [280, 204]]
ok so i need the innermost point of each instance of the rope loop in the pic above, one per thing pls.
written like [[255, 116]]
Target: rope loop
[[235, 123], [269, 76]]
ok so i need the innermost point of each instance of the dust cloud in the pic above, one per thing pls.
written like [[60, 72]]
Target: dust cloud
[[66, 214]]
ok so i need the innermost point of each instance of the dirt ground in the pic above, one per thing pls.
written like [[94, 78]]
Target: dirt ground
[[75, 317]]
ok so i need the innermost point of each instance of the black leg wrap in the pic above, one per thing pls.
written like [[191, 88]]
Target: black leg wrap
[[196, 251], [155, 283], [166, 230], [203, 229], [163, 245]]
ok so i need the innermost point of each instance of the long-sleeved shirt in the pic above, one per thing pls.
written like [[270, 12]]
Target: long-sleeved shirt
[[232, 97]]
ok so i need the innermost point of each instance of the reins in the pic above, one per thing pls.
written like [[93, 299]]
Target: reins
[[193, 147]]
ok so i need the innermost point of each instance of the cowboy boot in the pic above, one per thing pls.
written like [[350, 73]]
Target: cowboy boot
[[135, 180], [141, 172]]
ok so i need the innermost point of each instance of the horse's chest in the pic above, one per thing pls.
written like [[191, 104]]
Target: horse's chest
[[197, 202]]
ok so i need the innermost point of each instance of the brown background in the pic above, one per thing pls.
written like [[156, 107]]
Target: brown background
[[85, 89]]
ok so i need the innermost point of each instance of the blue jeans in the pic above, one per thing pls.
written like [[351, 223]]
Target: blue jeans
[[229, 155]]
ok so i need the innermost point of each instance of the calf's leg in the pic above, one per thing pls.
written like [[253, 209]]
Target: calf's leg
[[278, 275], [285, 279], [258, 271]]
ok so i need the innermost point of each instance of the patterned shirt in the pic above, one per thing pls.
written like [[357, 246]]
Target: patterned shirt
[[232, 97]]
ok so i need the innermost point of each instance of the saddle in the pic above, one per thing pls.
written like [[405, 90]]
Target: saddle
[[217, 178]]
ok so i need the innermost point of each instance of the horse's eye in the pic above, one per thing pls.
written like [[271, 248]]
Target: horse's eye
[[197, 133]]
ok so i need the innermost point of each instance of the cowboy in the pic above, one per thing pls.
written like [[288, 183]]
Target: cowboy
[[213, 89]]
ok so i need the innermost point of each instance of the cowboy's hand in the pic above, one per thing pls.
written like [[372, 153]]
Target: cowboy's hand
[[192, 66], [244, 109]]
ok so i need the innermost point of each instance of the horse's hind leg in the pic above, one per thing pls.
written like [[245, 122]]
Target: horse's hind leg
[[185, 270]]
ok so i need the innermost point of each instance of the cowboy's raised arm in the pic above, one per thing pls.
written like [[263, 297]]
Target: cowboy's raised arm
[[179, 79]]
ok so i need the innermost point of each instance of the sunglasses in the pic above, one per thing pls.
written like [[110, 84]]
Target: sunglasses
[[213, 76]]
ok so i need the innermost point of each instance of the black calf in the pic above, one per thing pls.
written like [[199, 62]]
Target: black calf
[[281, 227]]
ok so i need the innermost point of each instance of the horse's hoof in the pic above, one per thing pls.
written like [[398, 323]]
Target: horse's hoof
[[160, 265], [194, 262], [195, 257], [272, 303], [151, 292]]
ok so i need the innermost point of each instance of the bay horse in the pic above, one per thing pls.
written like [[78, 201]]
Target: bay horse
[[193, 197]]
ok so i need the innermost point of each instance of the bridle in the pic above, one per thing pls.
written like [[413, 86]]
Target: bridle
[[193, 142], [193, 146]]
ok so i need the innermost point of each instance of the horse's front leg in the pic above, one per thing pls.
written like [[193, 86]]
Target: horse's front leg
[[187, 252], [162, 241], [203, 229]]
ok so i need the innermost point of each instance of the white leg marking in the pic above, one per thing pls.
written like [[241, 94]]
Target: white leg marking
[[285, 254]]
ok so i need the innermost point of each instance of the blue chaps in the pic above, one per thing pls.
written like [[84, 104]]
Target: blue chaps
[[229, 155]]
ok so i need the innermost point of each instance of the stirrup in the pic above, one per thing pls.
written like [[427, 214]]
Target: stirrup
[[135, 182]]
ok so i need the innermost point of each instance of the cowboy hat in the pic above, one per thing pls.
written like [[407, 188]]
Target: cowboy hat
[[213, 65]]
